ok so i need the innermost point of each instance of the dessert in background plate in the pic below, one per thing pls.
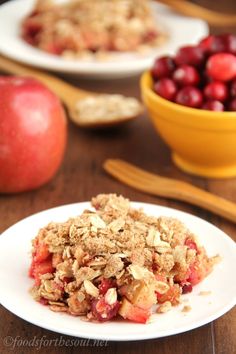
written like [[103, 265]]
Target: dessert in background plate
[[178, 31], [87, 28], [116, 260]]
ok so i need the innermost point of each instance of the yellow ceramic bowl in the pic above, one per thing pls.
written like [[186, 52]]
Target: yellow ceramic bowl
[[202, 142]]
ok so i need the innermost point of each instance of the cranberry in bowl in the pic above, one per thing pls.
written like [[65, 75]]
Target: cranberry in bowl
[[192, 104]]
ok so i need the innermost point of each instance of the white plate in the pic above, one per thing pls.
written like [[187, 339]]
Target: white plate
[[181, 30], [15, 248]]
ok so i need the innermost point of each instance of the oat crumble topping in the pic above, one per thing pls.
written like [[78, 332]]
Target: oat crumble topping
[[186, 308], [114, 259]]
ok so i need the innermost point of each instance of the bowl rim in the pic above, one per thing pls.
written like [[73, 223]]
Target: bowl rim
[[147, 81]]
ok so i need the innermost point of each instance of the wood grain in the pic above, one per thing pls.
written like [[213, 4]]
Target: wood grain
[[188, 8], [81, 176], [170, 188]]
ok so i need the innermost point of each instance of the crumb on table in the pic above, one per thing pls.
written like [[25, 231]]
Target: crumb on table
[[186, 308], [204, 293]]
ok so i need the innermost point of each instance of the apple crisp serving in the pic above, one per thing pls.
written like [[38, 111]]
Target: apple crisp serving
[[87, 28], [114, 260]]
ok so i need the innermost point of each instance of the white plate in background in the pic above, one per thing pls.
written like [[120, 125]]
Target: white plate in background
[[180, 30]]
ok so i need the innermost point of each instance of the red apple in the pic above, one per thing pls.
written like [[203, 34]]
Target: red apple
[[33, 132]]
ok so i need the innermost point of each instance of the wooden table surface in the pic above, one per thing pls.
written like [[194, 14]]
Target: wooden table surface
[[80, 177]]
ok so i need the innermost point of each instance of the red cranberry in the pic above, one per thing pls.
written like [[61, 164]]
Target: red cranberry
[[43, 301], [186, 75], [216, 90], [212, 44], [165, 88], [232, 105], [163, 67], [191, 244], [67, 280], [222, 66], [233, 88], [190, 55], [229, 42], [150, 36], [216, 106], [187, 288], [106, 284], [189, 96], [102, 311]]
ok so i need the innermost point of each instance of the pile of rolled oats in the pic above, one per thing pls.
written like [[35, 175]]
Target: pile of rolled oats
[[87, 28], [115, 259], [105, 109]]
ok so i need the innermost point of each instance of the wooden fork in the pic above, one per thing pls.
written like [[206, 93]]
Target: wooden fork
[[212, 17], [169, 188]]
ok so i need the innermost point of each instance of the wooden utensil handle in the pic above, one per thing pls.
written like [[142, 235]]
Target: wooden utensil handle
[[206, 200], [190, 9], [60, 87], [152, 184]]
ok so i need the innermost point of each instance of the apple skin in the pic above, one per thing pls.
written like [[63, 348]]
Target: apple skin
[[33, 134]]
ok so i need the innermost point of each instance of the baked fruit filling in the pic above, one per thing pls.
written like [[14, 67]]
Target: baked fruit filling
[[114, 260]]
